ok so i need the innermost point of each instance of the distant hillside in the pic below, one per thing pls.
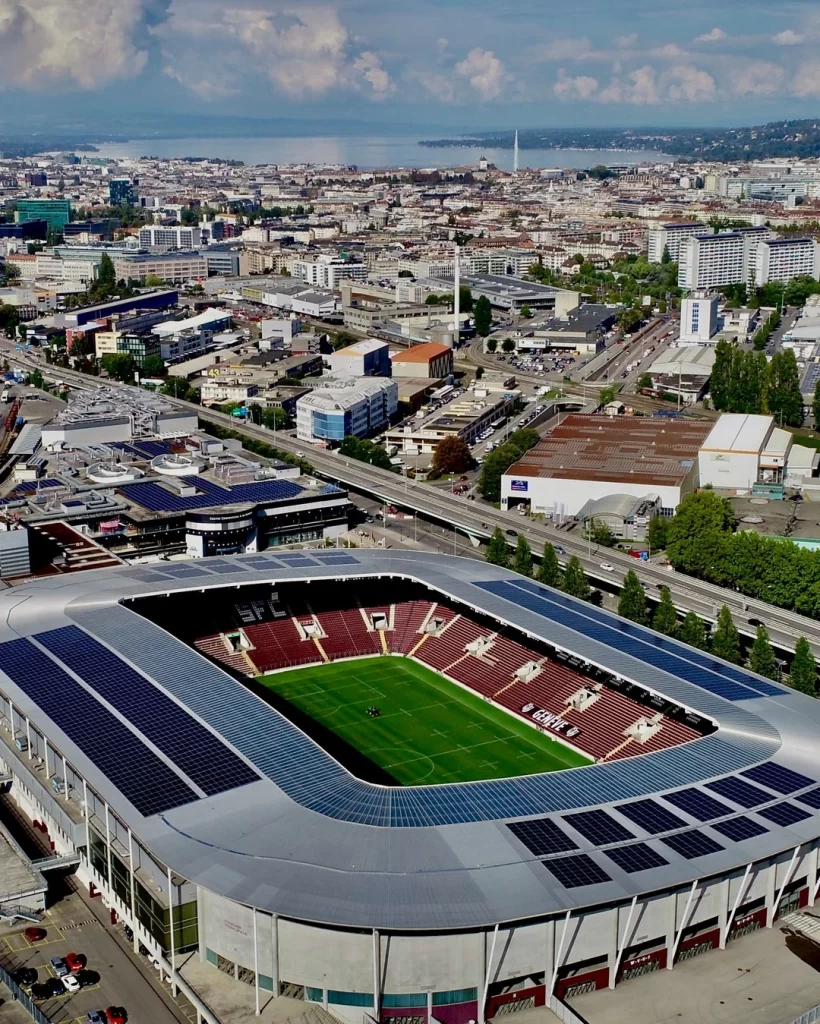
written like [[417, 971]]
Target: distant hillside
[[731, 145]]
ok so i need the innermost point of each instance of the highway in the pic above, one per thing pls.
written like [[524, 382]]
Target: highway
[[476, 519]]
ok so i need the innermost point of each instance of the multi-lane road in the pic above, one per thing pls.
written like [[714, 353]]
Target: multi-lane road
[[479, 520]]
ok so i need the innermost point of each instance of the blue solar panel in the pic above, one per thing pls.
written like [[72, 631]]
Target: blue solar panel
[[778, 778], [298, 563], [575, 872], [811, 799], [180, 570], [743, 793], [542, 836], [685, 662], [193, 748], [692, 844], [699, 805], [338, 559], [32, 486], [258, 562], [784, 814], [652, 817], [292, 556], [135, 770], [598, 827], [221, 567], [738, 829], [155, 498], [638, 857]]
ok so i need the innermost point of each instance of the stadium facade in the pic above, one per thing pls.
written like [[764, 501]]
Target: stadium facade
[[214, 824]]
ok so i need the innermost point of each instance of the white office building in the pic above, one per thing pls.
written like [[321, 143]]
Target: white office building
[[325, 271], [161, 239], [671, 237], [699, 318], [709, 261], [356, 407], [781, 259], [743, 450]]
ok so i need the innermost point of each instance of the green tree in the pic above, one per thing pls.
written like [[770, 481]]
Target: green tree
[[632, 602], [492, 345], [508, 345], [106, 278], [153, 366], [666, 257], [657, 533], [575, 581], [600, 533], [498, 553], [365, 451], [816, 406], [465, 299], [699, 533], [153, 281], [644, 381], [725, 638], [803, 676], [178, 387], [721, 381], [784, 400], [522, 561], [36, 378], [483, 316], [692, 631], [499, 461], [607, 395], [761, 656], [526, 313], [452, 455], [549, 571], [119, 365], [665, 619], [275, 418]]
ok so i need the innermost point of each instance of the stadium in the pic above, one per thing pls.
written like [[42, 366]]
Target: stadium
[[400, 785]]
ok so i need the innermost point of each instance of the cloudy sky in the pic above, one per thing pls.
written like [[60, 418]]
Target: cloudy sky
[[470, 63]]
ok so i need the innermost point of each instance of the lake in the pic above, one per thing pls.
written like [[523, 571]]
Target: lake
[[367, 152]]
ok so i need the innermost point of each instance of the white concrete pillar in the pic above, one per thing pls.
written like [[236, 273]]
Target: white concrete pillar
[[255, 962], [171, 930], [132, 883], [274, 942]]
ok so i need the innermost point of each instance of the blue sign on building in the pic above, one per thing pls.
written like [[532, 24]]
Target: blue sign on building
[[519, 485]]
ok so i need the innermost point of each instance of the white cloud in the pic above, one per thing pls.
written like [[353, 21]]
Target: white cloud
[[806, 81], [370, 66], [562, 49], [86, 42], [788, 37], [715, 35], [580, 87], [671, 50], [759, 78], [639, 87], [484, 71], [627, 42], [688, 84], [440, 86]]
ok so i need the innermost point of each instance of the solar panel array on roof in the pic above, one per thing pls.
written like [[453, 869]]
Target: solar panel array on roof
[[637, 857], [194, 749], [155, 498], [778, 778], [651, 816], [575, 872], [738, 829], [690, 665], [700, 805], [136, 771], [32, 486], [784, 814], [743, 793], [180, 571], [337, 559], [692, 844], [811, 799], [542, 836], [598, 827]]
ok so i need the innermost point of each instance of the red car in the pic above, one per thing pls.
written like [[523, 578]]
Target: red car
[[116, 1015], [75, 961], [35, 934]]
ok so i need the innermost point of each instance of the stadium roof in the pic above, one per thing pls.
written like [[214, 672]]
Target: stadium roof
[[245, 804]]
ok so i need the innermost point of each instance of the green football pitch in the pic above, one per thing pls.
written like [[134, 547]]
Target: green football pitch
[[428, 730]]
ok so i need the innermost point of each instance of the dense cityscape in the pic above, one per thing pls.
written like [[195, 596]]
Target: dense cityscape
[[409, 568]]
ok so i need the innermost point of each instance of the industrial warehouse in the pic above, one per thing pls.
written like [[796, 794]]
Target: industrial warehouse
[[225, 819]]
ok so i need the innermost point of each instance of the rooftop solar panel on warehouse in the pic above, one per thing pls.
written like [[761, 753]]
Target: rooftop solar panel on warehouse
[[193, 748], [743, 793], [638, 857], [135, 770], [692, 844], [738, 829], [575, 872], [776, 777], [542, 836], [699, 805], [784, 814], [598, 827], [688, 664], [651, 816], [811, 799]]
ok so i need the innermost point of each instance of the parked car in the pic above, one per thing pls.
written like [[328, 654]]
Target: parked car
[[129, 934], [116, 1015], [25, 976], [34, 934], [41, 991], [71, 983], [96, 1017], [75, 961], [55, 987], [61, 968]]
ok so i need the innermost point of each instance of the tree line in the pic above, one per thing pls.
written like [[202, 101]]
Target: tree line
[[498, 462], [745, 382]]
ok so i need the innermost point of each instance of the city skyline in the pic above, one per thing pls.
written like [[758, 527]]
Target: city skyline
[[448, 64]]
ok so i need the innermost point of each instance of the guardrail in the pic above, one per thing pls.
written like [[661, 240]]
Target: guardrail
[[22, 998], [809, 1017]]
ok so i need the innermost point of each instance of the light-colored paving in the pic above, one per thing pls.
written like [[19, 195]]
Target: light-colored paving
[[756, 980]]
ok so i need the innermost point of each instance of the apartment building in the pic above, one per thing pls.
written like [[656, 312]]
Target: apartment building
[[710, 261], [163, 239], [781, 259], [325, 271], [171, 268], [671, 236]]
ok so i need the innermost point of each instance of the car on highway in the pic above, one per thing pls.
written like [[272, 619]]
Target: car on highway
[[607, 567], [756, 622], [71, 983]]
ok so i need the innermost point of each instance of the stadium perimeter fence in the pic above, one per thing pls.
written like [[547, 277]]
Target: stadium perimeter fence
[[22, 998]]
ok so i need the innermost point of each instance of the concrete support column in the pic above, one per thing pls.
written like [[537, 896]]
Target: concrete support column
[[376, 975], [612, 957], [724, 906], [771, 891], [671, 928], [133, 888], [274, 942], [171, 932], [28, 738], [255, 962]]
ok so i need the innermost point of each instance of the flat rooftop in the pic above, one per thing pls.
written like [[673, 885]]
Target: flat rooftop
[[17, 876], [656, 452], [739, 433]]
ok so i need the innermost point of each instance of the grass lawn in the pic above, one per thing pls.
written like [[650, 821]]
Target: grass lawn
[[429, 730]]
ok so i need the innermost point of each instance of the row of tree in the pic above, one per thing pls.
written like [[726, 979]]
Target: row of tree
[[498, 462], [723, 641], [765, 331], [365, 451], [744, 382]]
